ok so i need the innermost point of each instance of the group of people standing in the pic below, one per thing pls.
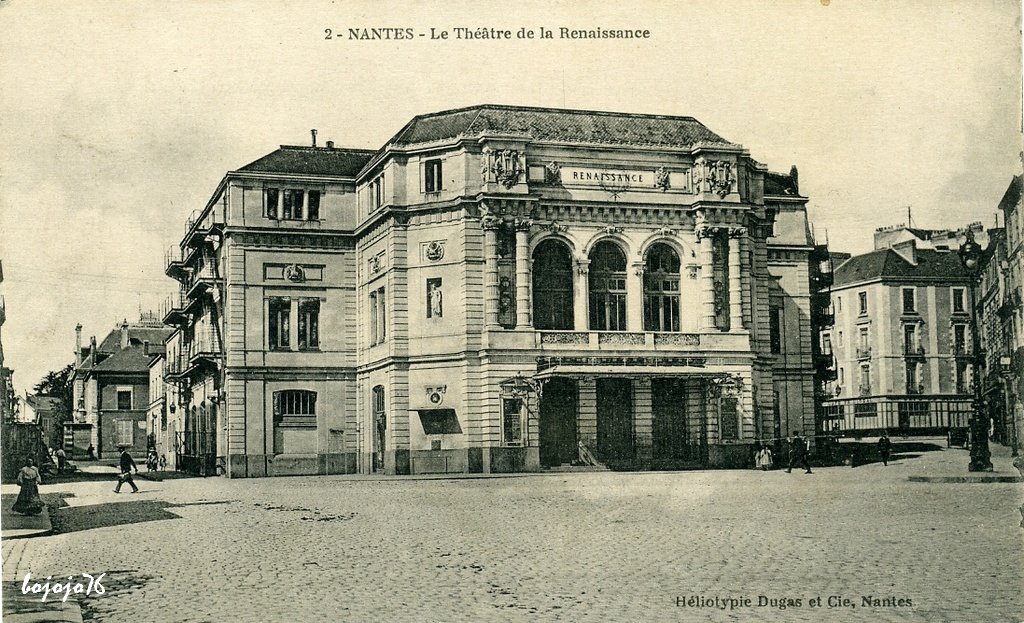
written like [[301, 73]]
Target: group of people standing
[[799, 453]]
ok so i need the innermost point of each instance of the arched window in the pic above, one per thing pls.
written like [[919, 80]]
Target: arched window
[[661, 289], [552, 286], [607, 287]]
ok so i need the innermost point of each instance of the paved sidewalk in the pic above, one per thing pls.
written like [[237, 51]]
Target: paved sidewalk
[[16, 526]]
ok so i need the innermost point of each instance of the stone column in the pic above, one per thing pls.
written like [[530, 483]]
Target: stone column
[[490, 225], [635, 298], [707, 278], [581, 296], [524, 307], [735, 279]]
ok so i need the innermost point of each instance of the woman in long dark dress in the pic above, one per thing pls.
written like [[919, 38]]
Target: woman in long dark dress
[[28, 502]]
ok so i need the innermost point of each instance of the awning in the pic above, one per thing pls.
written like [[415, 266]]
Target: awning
[[629, 371], [439, 421]]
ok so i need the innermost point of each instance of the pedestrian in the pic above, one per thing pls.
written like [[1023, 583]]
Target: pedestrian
[[127, 465], [91, 452], [884, 447], [163, 462], [798, 453], [151, 460], [764, 458], [28, 502], [62, 460]]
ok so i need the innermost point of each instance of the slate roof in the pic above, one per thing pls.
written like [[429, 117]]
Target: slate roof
[[887, 264], [557, 124], [136, 335], [110, 357], [779, 184], [43, 403], [344, 162], [130, 359]]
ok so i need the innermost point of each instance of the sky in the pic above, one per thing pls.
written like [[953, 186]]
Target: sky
[[120, 118]]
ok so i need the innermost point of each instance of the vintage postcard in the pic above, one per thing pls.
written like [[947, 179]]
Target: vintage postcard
[[490, 311]]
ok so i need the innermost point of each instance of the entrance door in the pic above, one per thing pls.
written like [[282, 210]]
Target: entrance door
[[558, 443], [615, 420], [675, 445]]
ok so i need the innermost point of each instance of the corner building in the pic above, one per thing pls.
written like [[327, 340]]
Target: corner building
[[497, 289]]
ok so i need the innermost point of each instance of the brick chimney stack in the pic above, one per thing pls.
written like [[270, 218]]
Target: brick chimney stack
[[124, 334], [78, 344]]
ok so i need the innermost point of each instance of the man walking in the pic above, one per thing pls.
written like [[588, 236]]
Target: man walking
[[884, 447], [127, 465], [62, 460], [798, 453]]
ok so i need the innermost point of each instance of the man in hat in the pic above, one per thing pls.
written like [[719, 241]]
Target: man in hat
[[884, 447], [127, 465]]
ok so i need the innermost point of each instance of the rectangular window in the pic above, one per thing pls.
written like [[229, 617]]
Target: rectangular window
[[775, 329], [865, 380], [435, 302], [909, 339], [959, 297], [377, 193], [272, 201], [909, 301], [292, 206], [963, 382], [960, 338], [729, 420], [125, 433], [913, 386], [124, 399], [432, 176], [512, 421], [826, 344], [279, 323], [865, 409], [309, 324], [378, 317], [295, 408], [313, 205], [862, 302]]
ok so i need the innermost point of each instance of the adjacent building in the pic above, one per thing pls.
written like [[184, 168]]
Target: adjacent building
[[496, 289], [1001, 320], [110, 385], [902, 336]]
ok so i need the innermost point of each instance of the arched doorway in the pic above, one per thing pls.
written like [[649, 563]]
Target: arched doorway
[[558, 435]]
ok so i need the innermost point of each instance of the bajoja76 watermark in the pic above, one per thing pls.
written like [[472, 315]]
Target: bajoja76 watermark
[[89, 585]]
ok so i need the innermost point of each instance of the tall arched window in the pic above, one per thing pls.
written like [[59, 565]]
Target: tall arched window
[[607, 287], [552, 286], [661, 289]]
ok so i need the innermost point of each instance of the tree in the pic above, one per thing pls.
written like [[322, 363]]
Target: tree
[[57, 384]]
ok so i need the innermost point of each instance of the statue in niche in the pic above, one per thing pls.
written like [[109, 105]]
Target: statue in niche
[[435, 299]]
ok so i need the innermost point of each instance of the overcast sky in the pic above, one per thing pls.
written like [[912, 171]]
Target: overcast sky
[[119, 119]]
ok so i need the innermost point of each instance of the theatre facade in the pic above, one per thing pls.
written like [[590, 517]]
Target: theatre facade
[[497, 289]]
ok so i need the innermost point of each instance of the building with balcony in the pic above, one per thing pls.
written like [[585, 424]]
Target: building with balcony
[[901, 338], [110, 389], [496, 289]]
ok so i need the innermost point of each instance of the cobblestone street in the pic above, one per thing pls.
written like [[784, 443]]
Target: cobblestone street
[[573, 547]]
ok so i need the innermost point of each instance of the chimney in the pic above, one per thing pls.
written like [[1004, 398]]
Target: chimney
[[907, 250], [796, 179], [124, 334], [145, 347], [92, 351], [313, 132], [330, 144], [78, 344]]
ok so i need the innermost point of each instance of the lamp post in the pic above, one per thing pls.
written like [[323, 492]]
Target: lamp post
[[981, 457]]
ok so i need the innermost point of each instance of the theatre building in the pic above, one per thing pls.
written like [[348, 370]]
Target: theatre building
[[497, 289]]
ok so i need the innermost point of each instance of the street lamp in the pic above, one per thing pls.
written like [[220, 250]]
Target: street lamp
[[981, 457]]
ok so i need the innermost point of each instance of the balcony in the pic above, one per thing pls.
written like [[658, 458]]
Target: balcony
[[913, 351], [863, 390], [645, 341], [175, 264], [173, 311], [915, 390], [824, 316], [863, 352], [820, 281], [198, 231]]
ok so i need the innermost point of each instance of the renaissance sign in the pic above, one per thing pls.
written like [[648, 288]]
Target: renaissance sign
[[596, 177]]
